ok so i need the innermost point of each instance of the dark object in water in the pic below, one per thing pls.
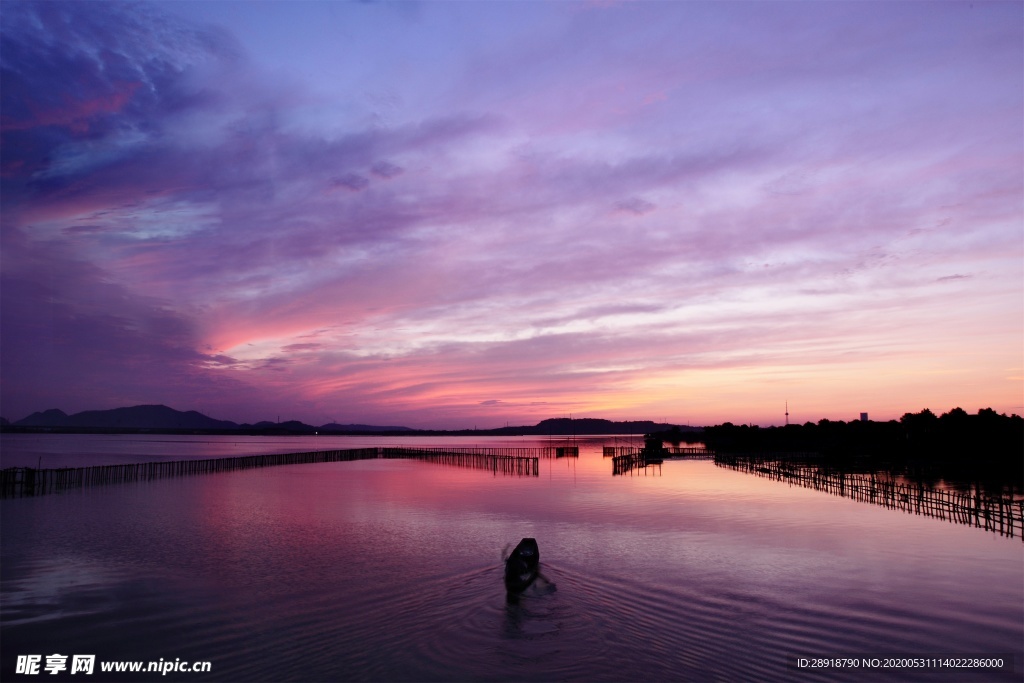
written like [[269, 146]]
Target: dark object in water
[[521, 567]]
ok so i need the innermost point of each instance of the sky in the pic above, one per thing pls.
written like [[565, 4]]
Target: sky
[[462, 214]]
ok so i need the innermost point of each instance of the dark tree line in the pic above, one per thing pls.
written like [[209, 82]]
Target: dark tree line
[[985, 445]]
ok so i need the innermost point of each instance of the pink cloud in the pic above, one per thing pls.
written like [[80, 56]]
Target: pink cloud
[[75, 115]]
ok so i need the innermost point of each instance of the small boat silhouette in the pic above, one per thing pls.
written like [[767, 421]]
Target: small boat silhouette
[[522, 565]]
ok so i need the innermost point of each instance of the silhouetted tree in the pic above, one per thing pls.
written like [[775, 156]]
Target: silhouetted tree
[[983, 446]]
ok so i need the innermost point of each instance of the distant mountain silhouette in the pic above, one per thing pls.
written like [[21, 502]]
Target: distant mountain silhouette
[[157, 418], [47, 418], [136, 417], [588, 425], [160, 417], [286, 427], [335, 427]]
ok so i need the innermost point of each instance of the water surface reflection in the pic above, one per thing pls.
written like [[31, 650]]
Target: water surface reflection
[[391, 570]]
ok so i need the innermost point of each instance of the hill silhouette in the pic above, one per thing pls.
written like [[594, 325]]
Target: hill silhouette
[[588, 425], [161, 418], [135, 417], [157, 418]]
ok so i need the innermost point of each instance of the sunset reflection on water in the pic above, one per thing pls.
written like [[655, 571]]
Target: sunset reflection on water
[[391, 570]]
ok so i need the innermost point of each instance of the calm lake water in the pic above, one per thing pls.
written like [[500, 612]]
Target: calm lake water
[[392, 570]]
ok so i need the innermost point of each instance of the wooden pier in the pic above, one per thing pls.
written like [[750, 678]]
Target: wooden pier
[[30, 481], [999, 514]]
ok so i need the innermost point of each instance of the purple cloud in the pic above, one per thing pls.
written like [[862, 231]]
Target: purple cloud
[[384, 169], [635, 205], [351, 181]]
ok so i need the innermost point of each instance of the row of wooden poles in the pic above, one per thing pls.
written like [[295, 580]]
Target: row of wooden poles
[[630, 462], [29, 481], [1000, 514], [615, 451], [499, 463], [512, 452], [629, 458], [695, 452]]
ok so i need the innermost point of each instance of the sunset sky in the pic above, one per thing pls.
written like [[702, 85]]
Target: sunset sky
[[459, 214]]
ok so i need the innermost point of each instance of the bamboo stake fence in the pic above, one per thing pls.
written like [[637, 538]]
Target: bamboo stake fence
[[30, 481], [692, 452], [629, 462], [1000, 514], [516, 461]]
